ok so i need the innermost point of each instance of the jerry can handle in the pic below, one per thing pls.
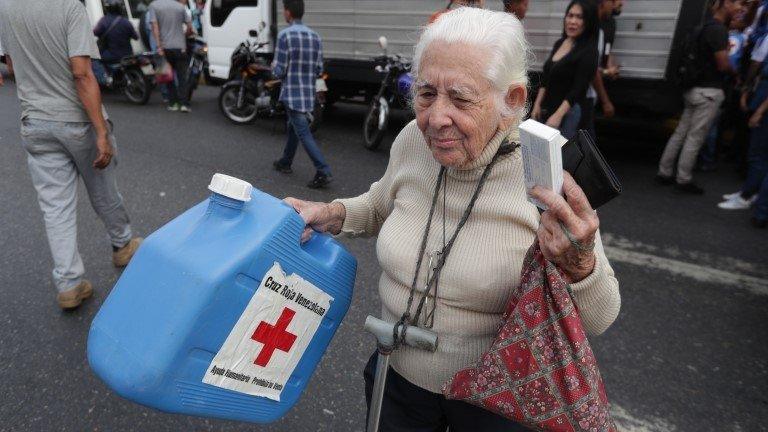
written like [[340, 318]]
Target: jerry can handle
[[320, 247]]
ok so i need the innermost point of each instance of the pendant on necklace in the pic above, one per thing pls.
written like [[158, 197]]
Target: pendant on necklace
[[429, 317]]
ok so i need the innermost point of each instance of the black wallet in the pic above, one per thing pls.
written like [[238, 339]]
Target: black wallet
[[586, 164]]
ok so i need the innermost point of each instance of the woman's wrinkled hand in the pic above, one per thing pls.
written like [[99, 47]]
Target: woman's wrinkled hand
[[320, 217], [572, 217], [755, 118]]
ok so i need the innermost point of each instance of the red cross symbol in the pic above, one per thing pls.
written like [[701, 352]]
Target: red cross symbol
[[274, 337]]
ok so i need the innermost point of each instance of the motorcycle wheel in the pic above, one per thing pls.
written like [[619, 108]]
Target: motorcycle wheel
[[192, 85], [138, 89], [372, 134], [228, 105]]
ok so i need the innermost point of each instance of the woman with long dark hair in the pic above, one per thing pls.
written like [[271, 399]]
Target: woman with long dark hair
[[568, 70]]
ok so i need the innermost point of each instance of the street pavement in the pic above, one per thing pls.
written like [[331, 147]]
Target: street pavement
[[687, 353]]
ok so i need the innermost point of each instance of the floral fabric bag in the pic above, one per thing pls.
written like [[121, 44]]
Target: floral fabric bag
[[540, 370]]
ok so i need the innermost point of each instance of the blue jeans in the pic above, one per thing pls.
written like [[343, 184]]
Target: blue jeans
[[757, 174], [761, 206], [99, 71], [298, 131], [757, 159], [708, 152], [570, 123], [164, 91]]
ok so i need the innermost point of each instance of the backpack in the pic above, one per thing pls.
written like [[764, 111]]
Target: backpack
[[689, 65]]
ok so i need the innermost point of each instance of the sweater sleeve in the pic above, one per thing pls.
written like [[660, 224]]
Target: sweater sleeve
[[366, 213], [586, 67], [597, 295]]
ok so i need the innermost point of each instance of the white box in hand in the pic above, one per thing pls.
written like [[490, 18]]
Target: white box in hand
[[542, 157]]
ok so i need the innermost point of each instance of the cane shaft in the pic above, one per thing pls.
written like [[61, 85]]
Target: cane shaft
[[374, 413]]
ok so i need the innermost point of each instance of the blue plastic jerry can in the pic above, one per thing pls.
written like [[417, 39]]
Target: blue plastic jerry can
[[223, 312]]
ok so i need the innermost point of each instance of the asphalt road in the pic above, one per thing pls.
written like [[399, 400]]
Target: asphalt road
[[687, 353]]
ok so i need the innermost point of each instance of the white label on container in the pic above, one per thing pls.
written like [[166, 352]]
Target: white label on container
[[270, 337]]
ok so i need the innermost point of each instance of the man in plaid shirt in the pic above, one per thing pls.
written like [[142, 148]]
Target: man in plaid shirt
[[298, 63]]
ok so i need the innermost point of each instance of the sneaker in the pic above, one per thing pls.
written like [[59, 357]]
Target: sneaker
[[122, 256], [185, 109], [174, 107], [731, 196], [72, 298], [735, 203], [320, 181], [759, 223], [285, 169], [663, 180], [689, 188]]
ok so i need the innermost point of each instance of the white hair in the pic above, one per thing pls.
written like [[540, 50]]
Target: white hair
[[499, 32]]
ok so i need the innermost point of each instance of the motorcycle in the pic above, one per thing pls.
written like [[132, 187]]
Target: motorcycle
[[134, 75], [394, 92], [252, 91], [198, 62]]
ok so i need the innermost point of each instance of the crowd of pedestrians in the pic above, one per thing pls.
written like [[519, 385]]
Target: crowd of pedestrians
[[752, 105], [726, 84]]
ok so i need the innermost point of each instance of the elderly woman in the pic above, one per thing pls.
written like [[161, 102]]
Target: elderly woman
[[455, 178]]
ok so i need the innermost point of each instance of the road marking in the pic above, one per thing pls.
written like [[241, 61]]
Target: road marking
[[621, 250], [755, 285], [626, 422], [711, 260]]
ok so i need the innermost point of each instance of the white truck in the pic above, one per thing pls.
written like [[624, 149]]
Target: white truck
[[647, 30]]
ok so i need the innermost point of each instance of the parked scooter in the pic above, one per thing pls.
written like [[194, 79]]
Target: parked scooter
[[198, 62], [252, 91], [134, 75], [394, 93]]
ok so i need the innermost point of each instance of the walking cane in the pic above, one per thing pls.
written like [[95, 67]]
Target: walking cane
[[385, 338]]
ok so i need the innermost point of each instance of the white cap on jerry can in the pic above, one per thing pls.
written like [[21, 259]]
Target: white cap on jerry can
[[231, 187]]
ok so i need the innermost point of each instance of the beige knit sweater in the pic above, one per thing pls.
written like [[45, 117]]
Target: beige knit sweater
[[484, 265]]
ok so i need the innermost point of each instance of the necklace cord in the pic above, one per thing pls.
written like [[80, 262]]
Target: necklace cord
[[406, 320]]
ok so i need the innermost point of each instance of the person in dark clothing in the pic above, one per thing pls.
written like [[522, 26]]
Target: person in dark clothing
[[116, 32], [702, 101], [568, 70], [170, 27], [597, 91]]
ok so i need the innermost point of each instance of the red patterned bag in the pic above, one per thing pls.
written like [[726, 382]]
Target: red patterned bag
[[540, 370]]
